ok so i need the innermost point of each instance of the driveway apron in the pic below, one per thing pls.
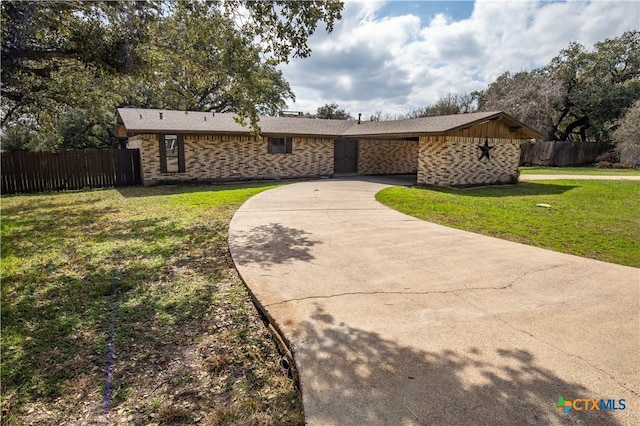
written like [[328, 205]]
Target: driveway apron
[[392, 320]]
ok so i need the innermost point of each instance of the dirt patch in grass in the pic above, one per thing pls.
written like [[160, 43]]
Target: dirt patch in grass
[[147, 272]]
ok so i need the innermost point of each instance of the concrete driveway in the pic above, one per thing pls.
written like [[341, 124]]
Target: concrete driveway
[[393, 320]]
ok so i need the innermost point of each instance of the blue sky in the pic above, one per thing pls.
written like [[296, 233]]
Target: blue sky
[[426, 10], [395, 56]]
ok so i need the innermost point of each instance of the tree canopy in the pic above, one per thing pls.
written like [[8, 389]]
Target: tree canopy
[[81, 59], [580, 95], [330, 112], [67, 64], [450, 104], [531, 96], [65, 53]]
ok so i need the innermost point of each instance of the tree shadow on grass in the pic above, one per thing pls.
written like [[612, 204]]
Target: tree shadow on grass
[[57, 295], [271, 244], [381, 382], [77, 266], [60, 325], [519, 190]]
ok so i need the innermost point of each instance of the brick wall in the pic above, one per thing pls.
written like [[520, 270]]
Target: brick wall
[[453, 161], [450, 160], [214, 157], [387, 157]]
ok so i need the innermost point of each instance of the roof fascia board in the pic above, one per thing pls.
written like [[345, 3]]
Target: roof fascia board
[[379, 136], [228, 133]]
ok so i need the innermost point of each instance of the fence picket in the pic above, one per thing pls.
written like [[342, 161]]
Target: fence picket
[[24, 172], [560, 153]]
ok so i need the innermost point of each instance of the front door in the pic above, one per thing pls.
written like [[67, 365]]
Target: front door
[[345, 156]]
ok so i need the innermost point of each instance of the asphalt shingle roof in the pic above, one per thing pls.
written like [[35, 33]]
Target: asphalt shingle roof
[[438, 124], [141, 120]]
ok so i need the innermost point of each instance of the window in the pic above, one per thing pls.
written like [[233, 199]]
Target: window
[[171, 153], [280, 146]]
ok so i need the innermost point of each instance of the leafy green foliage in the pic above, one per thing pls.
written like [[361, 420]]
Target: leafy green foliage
[[449, 105], [202, 63], [598, 86], [330, 112], [86, 58], [66, 53], [284, 26], [19, 138], [580, 95], [80, 129]]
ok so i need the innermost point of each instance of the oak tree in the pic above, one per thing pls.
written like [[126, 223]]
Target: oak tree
[[580, 95], [63, 56], [331, 112]]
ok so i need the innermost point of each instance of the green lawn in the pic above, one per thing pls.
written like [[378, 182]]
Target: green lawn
[[150, 265], [596, 219], [585, 170]]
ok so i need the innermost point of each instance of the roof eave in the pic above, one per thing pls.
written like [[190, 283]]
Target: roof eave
[[523, 128], [390, 135], [231, 132], [302, 135]]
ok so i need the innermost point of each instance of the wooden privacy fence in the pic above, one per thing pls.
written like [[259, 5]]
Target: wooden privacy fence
[[56, 171], [560, 153]]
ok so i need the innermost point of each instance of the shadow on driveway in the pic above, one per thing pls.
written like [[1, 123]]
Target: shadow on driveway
[[504, 388], [272, 244]]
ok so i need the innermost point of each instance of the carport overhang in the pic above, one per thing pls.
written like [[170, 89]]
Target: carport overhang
[[523, 131]]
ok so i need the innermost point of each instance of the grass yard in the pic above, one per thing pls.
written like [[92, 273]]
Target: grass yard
[[595, 219], [585, 170], [150, 267]]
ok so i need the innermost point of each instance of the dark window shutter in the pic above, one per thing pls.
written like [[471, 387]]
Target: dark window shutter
[[163, 153], [289, 143], [181, 164], [269, 148]]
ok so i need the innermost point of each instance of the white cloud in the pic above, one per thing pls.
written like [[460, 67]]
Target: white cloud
[[396, 63]]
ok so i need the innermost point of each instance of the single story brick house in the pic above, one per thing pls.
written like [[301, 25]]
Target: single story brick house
[[455, 150]]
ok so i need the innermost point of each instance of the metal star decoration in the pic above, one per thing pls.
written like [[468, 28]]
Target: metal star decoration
[[486, 150]]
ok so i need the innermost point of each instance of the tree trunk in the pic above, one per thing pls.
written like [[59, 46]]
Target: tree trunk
[[582, 122]]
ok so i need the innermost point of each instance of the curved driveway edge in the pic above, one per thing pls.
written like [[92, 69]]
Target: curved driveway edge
[[393, 320]]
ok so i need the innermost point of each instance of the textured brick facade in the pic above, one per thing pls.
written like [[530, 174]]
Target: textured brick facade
[[387, 157], [454, 161], [451, 159], [217, 157]]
